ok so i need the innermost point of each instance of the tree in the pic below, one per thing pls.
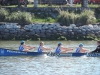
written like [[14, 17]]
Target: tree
[[18, 3], [25, 3], [50, 3], [84, 3], [35, 3]]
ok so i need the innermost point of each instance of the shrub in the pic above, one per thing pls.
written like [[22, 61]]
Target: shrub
[[3, 14], [85, 17], [66, 18], [20, 17], [97, 10], [98, 20]]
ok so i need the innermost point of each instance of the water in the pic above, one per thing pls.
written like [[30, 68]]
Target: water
[[44, 65]]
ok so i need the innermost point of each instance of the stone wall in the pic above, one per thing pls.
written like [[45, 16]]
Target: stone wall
[[9, 31]]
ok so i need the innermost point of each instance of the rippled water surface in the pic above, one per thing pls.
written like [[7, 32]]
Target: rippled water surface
[[44, 65]]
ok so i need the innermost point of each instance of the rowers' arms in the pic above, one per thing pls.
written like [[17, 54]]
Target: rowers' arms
[[45, 48], [28, 47], [66, 49], [84, 50]]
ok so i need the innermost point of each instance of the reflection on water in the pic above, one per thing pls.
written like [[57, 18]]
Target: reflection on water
[[23, 65]]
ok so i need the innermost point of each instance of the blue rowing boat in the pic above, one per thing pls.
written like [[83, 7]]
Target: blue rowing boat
[[9, 52]]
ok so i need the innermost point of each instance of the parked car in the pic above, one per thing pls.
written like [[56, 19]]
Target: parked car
[[58, 2], [94, 1], [0, 1], [10, 2]]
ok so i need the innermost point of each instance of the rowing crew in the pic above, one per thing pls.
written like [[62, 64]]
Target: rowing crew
[[59, 49]]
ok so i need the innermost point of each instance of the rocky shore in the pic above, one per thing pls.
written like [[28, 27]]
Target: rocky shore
[[54, 31]]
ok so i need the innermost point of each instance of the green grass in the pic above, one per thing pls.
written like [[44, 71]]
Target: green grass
[[45, 20], [89, 5], [46, 5]]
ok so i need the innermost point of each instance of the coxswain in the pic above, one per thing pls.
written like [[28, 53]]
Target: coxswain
[[97, 50]]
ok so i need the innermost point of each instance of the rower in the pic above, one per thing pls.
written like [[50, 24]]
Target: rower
[[61, 49], [42, 47], [97, 50], [80, 49], [24, 47]]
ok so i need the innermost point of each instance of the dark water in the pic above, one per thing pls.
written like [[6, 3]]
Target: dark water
[[44, 65]]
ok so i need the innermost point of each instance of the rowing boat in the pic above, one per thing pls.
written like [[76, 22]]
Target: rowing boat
[[9, 52], [74, 54]]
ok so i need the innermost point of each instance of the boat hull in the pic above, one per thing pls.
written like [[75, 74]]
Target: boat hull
[[8, 52]]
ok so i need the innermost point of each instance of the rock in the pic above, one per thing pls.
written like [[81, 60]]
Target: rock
[[54, 31], [59, 29], [42, 35], [83, 30], [48, 31], [12, 32], [39, 27], [72, 33], [90, 26], [32, 32], [34, 27], [72, 25], [87, 27], [45, 27], [79, 31], [1, 29], [42, 31], [12, 25], [95, 26], [6, 30], [69, 30], [64, 33], [51, 25]]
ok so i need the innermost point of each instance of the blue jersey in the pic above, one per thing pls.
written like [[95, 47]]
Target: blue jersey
[[78, 50], [39, 49], [21, 48], [57, 50]]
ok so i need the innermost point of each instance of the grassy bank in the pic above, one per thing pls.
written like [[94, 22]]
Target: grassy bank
[[63, 17]]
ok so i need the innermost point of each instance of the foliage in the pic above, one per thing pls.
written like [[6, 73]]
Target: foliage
[[97, 10], [3, 14], [20, 17], [17, 17], [85, 17]]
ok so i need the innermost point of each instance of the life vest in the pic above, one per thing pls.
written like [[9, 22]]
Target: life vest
[[39, 49], [21, 48], [97, 50], [57, 50], [78, 50]]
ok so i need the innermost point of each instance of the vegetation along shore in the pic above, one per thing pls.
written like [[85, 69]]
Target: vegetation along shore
[[49, 23]]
